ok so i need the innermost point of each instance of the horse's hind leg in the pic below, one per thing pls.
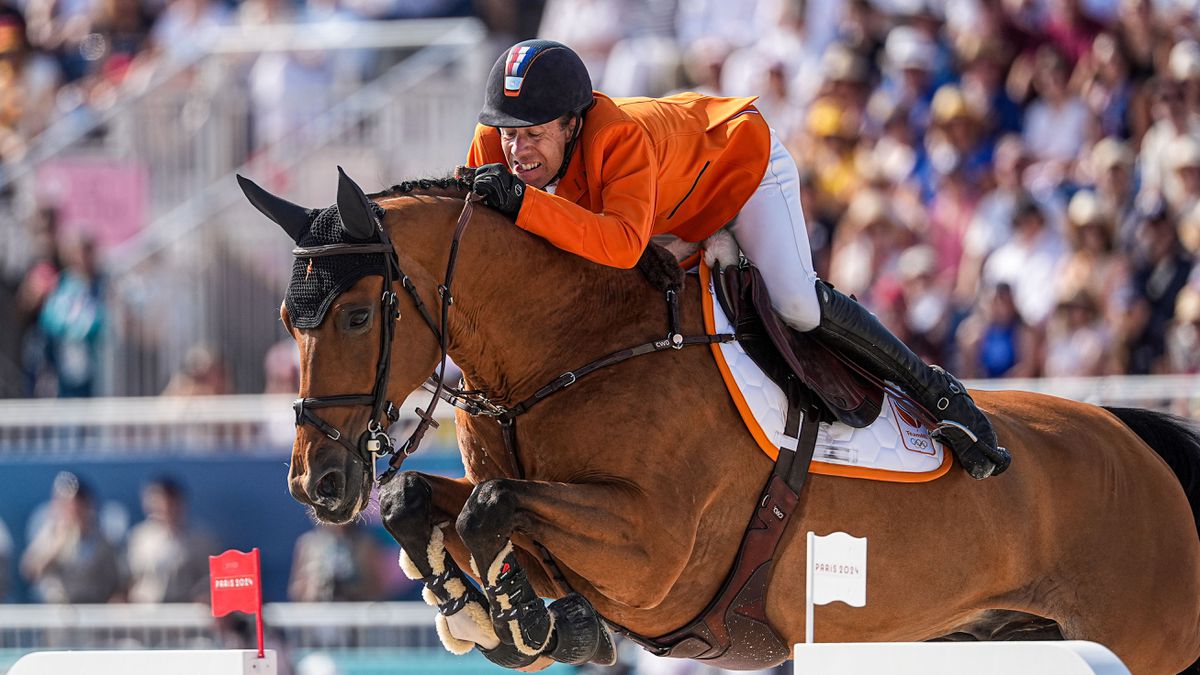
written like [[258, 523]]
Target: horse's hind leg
[[569, 630], [416, 510]]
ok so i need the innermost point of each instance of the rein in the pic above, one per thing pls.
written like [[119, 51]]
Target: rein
[[476, 403]]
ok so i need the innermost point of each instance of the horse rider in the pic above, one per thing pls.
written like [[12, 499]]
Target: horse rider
[[598, 176]]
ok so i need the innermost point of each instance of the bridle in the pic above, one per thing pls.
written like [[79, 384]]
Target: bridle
[[375, 442]]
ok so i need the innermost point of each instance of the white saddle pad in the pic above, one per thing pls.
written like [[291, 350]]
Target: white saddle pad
[[895, 447]]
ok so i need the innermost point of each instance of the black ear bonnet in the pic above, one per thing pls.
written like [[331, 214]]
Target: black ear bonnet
[[317, 281]]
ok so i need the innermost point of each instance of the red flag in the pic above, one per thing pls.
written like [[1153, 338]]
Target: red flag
[[237, 586]]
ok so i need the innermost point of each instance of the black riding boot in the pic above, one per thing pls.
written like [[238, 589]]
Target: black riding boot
[[848, 326]]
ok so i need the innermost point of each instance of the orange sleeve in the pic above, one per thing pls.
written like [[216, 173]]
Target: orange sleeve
[[485, 147], [620, 162]]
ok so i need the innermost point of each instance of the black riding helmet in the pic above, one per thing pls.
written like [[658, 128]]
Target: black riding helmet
[[534, 82]]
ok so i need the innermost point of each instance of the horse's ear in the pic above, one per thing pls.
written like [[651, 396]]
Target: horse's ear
[[355, 209], [292, 218]]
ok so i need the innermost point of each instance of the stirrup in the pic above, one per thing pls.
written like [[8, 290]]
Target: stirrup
[[951, 424]]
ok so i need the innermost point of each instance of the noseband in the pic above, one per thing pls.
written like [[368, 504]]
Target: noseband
[[375, 441]]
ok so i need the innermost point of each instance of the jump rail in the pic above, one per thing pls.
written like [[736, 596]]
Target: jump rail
[[1072, 657], [176, 662]]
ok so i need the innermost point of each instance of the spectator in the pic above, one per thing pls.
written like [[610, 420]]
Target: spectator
[[1055, 122], [1183, 335], [1077, 342], [991, 223], [1111, 166], [983, 86], [184, 28], [1189, 233], [1183, 63], [908, 74], [1183, 158], [1160, 272], [28, 83], [956, 138], [72, 319], [1028, 263], [203, 374], [282, 368], [1173, 122], [924, 312], [591, 27], [703, 61], [40, 280], [69, 560], [335, 563], [1093, 262], [845, 78], [1070, 29], [829, 152], [869, 239], [167, 557], [1102, 80], [994, 341], [893, 157]]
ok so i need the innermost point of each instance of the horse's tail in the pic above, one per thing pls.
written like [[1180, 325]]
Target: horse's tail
[[1176, 440]]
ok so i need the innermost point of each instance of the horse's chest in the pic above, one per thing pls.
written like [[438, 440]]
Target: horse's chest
[[482, 453]]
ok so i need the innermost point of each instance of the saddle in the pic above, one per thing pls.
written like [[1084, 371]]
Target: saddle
[[784, 353]]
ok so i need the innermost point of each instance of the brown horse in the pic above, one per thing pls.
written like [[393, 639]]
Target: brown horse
[[639, 480]]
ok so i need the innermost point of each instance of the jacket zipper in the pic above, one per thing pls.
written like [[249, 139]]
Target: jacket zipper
[[689, 192]]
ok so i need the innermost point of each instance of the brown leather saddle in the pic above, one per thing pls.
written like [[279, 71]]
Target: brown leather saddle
[[782, 352]]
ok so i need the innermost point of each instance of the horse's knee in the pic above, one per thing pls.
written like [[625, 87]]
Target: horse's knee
[[487, 518], [406, 502], [406, 509]]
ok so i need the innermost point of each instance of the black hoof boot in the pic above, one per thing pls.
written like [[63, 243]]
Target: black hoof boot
[[580, 636], [508, 656]]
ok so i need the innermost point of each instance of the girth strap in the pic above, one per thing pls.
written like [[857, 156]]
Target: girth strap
[[733, 631]]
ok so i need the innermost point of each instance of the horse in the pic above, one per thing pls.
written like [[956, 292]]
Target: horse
[[633, 486]]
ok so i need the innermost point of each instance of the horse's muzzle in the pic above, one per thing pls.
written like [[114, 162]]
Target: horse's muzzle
[[337, 490]]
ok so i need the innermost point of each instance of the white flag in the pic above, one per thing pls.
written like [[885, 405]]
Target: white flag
[[837, 568]]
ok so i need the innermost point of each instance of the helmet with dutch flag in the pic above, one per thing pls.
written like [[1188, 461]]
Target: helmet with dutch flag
[[535, 82]]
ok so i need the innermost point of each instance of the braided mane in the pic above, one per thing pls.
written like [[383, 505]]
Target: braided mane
[[446, 186]]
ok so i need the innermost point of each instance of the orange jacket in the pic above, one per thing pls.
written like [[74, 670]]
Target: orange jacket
[[682, 165]]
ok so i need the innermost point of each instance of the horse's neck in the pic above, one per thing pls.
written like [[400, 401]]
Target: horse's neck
[[526, 312]]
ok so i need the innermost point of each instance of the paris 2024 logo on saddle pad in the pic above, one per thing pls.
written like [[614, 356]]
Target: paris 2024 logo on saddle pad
[[895, 447]]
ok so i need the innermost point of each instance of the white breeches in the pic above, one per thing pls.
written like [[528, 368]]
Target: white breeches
[[771, 232]]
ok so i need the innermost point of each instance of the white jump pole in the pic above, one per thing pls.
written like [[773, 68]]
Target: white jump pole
[[151, 662], [1070, 657]]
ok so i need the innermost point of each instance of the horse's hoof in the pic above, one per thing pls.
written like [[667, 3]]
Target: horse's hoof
[[508, 656], [580, 635]]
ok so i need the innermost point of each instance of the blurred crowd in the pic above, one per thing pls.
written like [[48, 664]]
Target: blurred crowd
[[1013, 186], [81, 549]]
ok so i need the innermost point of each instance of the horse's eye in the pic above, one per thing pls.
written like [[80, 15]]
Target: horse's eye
[[359, 317]]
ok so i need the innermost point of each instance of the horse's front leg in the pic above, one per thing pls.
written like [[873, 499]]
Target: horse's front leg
[[417, 510], [583, 525]]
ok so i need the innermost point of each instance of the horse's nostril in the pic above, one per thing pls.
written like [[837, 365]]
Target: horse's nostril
[[329, 487]]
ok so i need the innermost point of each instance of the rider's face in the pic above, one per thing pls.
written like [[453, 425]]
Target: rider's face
[[535, 154]]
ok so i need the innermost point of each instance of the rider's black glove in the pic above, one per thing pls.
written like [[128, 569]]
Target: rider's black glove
[[499, 188]]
